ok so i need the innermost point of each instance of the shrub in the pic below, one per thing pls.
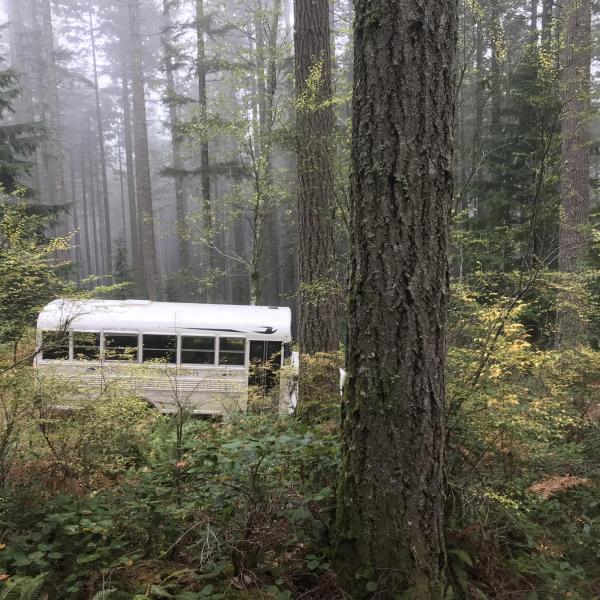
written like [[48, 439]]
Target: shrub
[[319, 387]]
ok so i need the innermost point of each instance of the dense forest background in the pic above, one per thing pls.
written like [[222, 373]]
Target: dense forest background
[[166, 142]]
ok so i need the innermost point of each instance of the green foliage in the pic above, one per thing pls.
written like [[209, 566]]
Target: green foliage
[[113, 594], [29, 269], [522, 466], [229, 503], [18, 141], [319, 383], [115, 500]]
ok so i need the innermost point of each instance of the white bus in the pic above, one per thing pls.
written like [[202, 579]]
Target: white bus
[[202, 356]]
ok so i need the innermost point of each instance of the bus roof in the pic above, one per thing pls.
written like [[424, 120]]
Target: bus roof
[[259, 322]]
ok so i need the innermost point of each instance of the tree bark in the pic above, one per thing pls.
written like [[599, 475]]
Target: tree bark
[[318, 297], [142, 160], [390, 499], [134, 225], [496, 92], [575, 154]]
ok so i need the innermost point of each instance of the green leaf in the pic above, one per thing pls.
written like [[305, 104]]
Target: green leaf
[[88, 559]]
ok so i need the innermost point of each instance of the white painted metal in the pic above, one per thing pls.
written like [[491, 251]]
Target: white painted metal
[[255, 322]]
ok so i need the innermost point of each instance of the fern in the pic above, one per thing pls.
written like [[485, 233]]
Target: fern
[[111, 594], [24, 589]]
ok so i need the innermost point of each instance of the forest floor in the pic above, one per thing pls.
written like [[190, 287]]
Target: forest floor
[[119, 498]]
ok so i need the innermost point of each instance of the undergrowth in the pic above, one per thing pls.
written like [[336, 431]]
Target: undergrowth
[[114, 501]]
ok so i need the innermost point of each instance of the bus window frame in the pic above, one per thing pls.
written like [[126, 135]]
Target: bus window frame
[[218, 351], [151, 363], [69, 358], [181, 350], [131, 333], [75, 360], [139, 359]]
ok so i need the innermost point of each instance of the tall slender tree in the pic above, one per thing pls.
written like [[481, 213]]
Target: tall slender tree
[[390, 499], [142, 160], [267, 18], [101, 149], [176, 146], [205, 183], [53, 150], [134, 225], [575, 154]]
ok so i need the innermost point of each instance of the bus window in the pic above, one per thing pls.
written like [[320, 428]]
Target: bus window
[[162, 348], [55, 345], [265, 352], [197, 350], [121, 346], [232, 351], [86, 346]]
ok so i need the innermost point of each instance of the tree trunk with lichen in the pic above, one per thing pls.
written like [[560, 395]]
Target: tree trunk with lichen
[[389, 522], [318, 330], [318, 302]]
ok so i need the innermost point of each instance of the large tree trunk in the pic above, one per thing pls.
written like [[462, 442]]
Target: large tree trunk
[[142, 160], [318, 300], [575, 173], [390, 499], [99, 126], [182, 227]]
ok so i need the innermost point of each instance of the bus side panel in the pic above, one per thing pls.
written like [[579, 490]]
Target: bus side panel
[[216, 391]]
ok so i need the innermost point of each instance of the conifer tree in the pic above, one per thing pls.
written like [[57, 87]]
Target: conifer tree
[[390, 505]]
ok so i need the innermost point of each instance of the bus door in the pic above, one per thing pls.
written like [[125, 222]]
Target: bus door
[[265, 362]]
